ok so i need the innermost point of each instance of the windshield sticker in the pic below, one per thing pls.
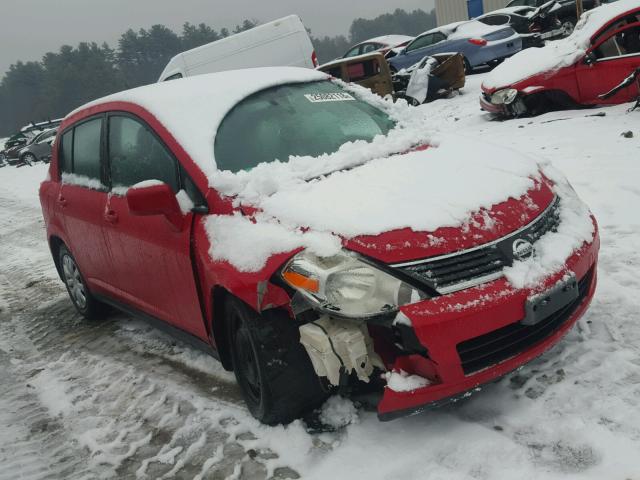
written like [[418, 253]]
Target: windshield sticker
[[329, 97]]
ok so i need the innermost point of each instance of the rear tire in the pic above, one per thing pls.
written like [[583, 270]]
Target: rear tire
[[468, 69], [85, 303], [29, 159], [272, 367]]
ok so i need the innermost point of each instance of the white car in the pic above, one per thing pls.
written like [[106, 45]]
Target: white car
[[384, 44]]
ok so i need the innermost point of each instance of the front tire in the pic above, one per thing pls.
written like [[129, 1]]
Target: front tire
[[271, 366], [85, 303]]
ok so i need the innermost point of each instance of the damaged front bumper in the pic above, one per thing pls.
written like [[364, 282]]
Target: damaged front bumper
[[475, 336]]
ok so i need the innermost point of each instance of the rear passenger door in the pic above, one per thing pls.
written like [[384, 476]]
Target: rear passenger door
[[152, 260], [81, 200]]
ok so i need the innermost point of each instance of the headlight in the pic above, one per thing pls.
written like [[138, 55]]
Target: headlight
[[504, 97], [346, 286]]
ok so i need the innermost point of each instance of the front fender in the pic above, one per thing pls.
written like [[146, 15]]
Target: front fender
[[254, 288]]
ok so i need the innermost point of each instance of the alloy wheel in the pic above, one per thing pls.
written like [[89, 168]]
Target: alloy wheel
[[74, 282]]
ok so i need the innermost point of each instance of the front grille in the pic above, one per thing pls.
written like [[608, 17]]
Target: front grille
[[506, 342], [456, 271]]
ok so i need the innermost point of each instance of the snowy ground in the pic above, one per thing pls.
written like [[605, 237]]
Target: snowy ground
[[118, 399]]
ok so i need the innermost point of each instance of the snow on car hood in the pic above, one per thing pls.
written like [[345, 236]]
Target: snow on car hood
[[557, 54], [422, 190]]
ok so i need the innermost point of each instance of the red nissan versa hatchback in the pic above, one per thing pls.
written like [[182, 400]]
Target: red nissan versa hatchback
[[603, 51], [129, 207]]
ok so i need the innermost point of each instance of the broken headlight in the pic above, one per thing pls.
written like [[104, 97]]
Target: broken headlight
[[345, 285], [504, 97]]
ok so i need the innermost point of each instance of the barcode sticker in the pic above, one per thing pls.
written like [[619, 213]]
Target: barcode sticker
[[329, 97]]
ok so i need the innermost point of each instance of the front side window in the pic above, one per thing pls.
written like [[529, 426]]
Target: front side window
[[135, 155], [307, 119], [86, 149]]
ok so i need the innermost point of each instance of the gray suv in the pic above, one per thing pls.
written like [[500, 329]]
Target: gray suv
[[39, 149]]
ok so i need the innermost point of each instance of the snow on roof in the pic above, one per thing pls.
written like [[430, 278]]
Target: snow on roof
[[560, 53], [465, 29], [390, 40], [193, 108]]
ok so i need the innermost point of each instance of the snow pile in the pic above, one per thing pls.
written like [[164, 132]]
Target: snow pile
[[248, 245], [338, 412], [193, 108], [403, 382], [560, 53], [473, 29], [553, 249], [81, 181]]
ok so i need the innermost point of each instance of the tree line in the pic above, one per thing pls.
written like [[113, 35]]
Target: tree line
[[64, 80]]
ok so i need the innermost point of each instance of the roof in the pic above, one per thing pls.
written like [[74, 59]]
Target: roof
[[390, 40], [559, 53], [192, 108]]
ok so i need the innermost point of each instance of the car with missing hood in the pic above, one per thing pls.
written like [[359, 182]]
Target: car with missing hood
[[603, 50], [479, 43], [309, 235]]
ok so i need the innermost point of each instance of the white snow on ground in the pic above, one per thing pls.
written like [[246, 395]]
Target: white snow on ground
[[560, 53], [571, 414]]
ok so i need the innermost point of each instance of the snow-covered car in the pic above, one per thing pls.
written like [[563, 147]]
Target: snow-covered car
[[479, 43], [309, 235], [603, 50], [383, 44]]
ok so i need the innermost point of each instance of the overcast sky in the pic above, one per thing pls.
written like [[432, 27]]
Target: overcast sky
[[30, 28]]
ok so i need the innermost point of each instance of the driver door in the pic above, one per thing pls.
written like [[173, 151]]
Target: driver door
[[151, 258], [615, 57]]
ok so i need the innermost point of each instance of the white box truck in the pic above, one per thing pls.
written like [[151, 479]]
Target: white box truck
[[283, 42]]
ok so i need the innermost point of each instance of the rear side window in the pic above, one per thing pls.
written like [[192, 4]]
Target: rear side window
[[135, 155], [64, 153], [86, 149]]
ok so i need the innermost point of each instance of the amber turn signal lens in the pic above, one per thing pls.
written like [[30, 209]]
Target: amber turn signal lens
[[300, 281]]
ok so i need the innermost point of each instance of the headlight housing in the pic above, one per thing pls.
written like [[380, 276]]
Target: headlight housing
[[504, 97], [347, 286]]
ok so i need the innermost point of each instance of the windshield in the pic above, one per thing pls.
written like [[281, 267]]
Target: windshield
[[303, 119]]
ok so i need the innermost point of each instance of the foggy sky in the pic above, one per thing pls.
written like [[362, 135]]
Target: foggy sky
[[30, 28]]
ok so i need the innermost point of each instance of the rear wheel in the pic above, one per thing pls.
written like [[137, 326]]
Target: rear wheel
[[272, 367], [80, 295], [29, 158], [468, 69]]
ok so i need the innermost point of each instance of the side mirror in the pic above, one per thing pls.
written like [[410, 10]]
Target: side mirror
[[590, 58], [155, 198]]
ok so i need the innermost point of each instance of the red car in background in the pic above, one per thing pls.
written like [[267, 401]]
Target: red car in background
[[576, 71], [138, 216]]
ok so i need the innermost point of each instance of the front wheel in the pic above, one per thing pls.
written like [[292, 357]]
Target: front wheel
[[468, 69], [271, 366]]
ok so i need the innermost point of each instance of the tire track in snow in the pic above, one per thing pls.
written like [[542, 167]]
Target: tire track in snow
[[112, 399]]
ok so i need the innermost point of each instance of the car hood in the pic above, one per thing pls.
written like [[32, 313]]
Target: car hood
[[418, 204]]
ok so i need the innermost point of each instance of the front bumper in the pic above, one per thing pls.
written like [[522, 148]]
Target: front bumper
[[442, 324]]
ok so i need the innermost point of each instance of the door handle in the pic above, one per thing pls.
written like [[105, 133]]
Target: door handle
[[111, 217], [62, 201]]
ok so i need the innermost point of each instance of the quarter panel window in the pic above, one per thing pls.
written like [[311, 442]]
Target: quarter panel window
[[86, 149], [135, 155], [65, 152]]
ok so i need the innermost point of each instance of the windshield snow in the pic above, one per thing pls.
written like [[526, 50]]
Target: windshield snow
[[308, 119]]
